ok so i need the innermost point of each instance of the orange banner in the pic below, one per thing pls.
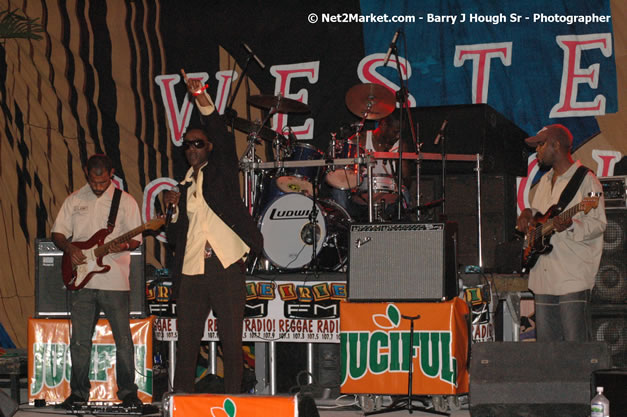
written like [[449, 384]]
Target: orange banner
[[184, 405], [49, 364], [375, 340]]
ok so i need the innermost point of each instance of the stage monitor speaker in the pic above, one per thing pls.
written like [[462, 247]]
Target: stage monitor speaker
[[402, 262], [534, 379], [52, 300], [8, 407], [614, 383], [611, 280]]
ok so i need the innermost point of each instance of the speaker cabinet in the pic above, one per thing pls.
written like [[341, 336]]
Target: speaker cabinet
[[498, 212], [534, 379], [402, 262], [611, 280], [8, 407], [53, 300], [472, 129], [609, 325]]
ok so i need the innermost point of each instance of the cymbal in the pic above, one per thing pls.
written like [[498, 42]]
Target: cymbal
[[372, 101], [247, 126], [282, 104]]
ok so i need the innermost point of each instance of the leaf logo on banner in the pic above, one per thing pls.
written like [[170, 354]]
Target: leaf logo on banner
[[229, 409], [389, 320]]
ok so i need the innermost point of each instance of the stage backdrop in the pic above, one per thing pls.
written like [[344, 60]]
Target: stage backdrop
[[104, 78]]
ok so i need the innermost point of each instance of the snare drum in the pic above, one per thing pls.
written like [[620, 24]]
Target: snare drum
[[300, 180], [384, 188], [345, 177], [288, 235]]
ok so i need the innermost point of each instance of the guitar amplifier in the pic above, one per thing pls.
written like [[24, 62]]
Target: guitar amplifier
[[53, 300], [402, 262]]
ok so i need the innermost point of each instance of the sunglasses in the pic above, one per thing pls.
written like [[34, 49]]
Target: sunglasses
[[196, 143]]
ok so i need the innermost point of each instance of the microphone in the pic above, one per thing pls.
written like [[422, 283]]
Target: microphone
[[392, 45], [440, 132], [292, 139], [170, 210], [250, 51]]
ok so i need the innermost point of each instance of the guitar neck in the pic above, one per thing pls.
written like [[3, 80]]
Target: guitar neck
[[565, 215], [101, 251]]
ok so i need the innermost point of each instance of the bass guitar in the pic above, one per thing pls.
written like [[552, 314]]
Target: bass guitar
[[538, 237], [76, 277]]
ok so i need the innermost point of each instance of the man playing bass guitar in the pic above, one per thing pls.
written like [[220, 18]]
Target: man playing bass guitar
[[563, 277], [84, 213]]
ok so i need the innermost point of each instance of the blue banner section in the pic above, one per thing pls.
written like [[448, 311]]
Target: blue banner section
[[536, 62]]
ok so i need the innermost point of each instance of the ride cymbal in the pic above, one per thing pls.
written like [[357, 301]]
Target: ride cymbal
[[372, 101], [280, 103]]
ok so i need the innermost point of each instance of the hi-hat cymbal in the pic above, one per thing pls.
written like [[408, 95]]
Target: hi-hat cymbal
[[372, 101], [247, 126], [280, 103]]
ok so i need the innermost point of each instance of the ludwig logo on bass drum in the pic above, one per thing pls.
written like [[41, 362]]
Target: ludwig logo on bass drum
[[277, 214]]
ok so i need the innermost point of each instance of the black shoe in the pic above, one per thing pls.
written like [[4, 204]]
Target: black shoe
[[132, 401], [70, 402]]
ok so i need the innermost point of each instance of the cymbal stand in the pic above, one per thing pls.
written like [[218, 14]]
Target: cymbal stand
[[249, 162], [312, 226], [332, 150], [360, 127]]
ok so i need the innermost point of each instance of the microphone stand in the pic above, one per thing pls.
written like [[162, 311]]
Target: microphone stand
[[402, 96], [406, 403], [443, 153], [233, 93]]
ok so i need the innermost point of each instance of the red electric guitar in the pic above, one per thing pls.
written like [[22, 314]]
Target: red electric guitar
[[538, 237], [76, 277]]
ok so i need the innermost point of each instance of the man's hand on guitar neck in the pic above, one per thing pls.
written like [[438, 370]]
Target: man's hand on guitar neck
[[560, 225], [121, 247]]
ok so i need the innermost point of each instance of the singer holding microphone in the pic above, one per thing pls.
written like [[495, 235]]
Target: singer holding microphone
[[212, 234]]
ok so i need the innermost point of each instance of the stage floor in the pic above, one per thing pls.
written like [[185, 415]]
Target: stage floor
[[326, 408], [30, 411]]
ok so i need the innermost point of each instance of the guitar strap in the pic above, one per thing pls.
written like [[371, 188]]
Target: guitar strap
[[115, 204], [571, 188]]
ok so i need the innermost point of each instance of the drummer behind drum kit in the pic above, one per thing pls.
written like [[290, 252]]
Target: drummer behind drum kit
[[300, 230]]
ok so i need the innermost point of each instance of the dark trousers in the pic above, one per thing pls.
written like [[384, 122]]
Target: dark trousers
[[224, 292], [563, 317], [86, 305]]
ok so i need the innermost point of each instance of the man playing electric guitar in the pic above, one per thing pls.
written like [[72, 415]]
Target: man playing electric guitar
[[562, 278], [83, 214]]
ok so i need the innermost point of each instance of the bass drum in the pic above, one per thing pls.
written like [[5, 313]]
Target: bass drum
[[288, 234]]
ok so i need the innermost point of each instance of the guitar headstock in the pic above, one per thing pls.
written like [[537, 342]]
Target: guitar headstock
[[155, 224], [588, 203]]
